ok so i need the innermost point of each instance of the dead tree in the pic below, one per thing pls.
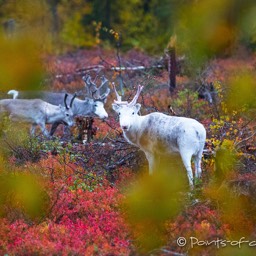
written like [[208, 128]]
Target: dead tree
[[172, 64]]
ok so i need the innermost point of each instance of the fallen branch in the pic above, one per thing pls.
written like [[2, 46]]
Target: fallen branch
[[239, 142]]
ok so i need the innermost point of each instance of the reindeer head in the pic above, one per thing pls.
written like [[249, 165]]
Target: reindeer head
[[127, 111], [67, 111], [95, 94]]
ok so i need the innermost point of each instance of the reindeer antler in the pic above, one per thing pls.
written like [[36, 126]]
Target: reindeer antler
[[119, 97], [134, 100], [94, 92], [105, 95], [72, 100], [65, 101], [104, 81]]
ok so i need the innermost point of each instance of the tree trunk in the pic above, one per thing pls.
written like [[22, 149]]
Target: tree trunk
[[172, 67], [89, 128], [172, 64]]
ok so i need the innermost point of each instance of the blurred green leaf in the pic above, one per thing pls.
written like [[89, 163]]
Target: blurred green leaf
[[151, 201], [20, 64], [24, 193], [241, 93]]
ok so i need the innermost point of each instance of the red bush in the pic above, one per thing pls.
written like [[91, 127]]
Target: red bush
[[200, 222], [80, 222]]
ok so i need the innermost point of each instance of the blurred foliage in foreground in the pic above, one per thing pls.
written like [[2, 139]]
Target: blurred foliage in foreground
[[209, 28], [241, 93], [22, 195], [23, 40], [154, 199], [20, 64]]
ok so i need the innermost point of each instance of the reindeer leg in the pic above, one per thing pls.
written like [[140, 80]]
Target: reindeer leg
[[186, 159], [54, 127], [151, 162], [198, 158], [44, 130], [32, 129]]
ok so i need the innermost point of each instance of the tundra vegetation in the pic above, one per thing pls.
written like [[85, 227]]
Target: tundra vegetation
[[96, 198]]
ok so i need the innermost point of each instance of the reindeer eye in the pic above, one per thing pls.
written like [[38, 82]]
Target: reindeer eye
[[119, 113], [133, 113], [67, 114]]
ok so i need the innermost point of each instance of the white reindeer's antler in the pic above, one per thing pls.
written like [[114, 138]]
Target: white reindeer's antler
[[119, 97], [134, 100]]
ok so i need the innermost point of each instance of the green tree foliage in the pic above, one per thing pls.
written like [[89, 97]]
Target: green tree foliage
[[145, 24], [23, 38], [209, 28], [72, 30]]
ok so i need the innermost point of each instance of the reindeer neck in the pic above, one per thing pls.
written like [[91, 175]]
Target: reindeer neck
[[76, 106], [132, 135], [52, 113], [80, 108], [138, 120]]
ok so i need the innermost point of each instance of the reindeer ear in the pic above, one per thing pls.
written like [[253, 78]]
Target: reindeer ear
[[137, 107], [116, 107]]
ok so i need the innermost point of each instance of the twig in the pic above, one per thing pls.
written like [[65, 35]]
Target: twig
[[248, 122], [239, 142]]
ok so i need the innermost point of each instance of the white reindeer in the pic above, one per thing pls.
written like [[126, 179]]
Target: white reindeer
[[92, 106], [157, 134], [37, 112]]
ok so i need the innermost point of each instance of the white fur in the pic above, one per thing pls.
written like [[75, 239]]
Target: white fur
[[157, 135], [86, 107], [36, 112]]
